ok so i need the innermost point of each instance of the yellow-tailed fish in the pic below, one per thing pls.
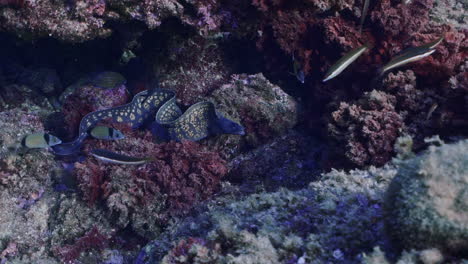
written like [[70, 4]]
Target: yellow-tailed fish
[[364, 13], [40, 140], [412, 54], [112, 157], [344, 62], [106, 133]]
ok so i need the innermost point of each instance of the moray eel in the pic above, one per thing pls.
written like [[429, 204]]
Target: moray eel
[[199, 121]]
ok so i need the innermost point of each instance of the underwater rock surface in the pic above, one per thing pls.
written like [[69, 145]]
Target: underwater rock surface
[[279, 193], [263, 108], [427, 201], [339, 218]]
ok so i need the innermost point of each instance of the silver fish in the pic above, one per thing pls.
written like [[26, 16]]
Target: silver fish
[[112, 157], [344, 62], [364, 13], [412, 54]]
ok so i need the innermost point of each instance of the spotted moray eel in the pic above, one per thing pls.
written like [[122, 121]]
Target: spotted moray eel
[[197, 122]]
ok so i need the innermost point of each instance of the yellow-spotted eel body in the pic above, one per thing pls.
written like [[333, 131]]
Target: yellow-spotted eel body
[[199, 121]]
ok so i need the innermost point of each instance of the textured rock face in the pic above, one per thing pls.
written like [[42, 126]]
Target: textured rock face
[[428, 200], [332, 220], [78, 21], [25, 186], [262, 108], [450, 11]]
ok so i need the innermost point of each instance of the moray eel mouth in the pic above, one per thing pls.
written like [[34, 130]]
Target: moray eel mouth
[[199, 121]]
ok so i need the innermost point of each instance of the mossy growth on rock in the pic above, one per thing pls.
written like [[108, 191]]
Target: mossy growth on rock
[[427, 202]]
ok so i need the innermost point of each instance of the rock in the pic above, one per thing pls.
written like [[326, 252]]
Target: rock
[[338, 217], [427, 202], [262, 108]]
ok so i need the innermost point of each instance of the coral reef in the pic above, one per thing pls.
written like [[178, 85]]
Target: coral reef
[[289, 161], [426, 256], [334, 219], [93, 239], [87, 98], [25, 186], [78, 21], [260, 198], [368, 129], [71, 21], [180, 176], [340, 218], [451, 12], [262, 108], [431, 189], [193, 67], [317, 39]]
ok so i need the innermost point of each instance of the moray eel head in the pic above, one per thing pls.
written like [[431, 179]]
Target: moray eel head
[[227, 126]]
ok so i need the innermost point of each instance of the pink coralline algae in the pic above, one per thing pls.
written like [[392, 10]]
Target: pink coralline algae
[[78, 21], [88, 98], [194, 68], [368, 128], [92, 240], [184, 173], [414, 28]]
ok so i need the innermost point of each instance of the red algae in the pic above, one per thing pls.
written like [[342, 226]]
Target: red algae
[[368, 129], [185, 173], [92, 240]]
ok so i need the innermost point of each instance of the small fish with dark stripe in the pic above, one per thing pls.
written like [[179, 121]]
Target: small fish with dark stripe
[[344, 62], [40, 140], [116, 158], [364, 14], [412, 54], [106, 133]]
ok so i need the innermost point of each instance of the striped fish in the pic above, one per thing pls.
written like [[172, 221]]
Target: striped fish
[[364, 13], [116, 158], [40, 140], [344, 62], [412, 54], [106, 133]]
